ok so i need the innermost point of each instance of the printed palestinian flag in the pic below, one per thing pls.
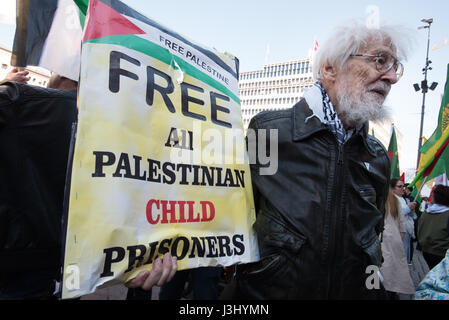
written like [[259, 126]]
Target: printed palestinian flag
[[133, 30], [48, 35]]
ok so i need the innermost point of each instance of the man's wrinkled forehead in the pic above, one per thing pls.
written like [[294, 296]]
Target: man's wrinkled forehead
[[377, 44]]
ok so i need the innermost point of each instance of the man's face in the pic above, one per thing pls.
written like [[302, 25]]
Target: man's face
[[361, 89]]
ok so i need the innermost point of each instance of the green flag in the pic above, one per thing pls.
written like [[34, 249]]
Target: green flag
[[393, 152]]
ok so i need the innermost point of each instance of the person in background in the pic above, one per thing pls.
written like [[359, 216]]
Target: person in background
[[435, 285], [35, 133], [424, 204], [409, 213], [394, 268], [409, 199], [433, 228]]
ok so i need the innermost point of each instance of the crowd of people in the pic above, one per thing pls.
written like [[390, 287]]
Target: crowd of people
[[428, 229], [327, 214]]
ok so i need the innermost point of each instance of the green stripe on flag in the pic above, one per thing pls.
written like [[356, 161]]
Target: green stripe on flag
[[82, 10], [82, 5], [153, 50]]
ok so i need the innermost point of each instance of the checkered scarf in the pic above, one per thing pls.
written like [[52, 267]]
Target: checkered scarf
[[331, 118]]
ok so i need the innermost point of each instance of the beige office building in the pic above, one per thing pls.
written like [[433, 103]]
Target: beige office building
[[277, 86]]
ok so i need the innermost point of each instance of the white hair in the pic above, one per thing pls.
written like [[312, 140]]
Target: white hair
[[353, 36]]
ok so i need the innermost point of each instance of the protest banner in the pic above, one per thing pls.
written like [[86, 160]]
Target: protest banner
[[159, 162]]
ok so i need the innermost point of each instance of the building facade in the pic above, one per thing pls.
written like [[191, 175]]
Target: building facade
[[277, 86], [38, 77]]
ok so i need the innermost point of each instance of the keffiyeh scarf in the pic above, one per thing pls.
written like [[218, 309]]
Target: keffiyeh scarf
[[322, 107]]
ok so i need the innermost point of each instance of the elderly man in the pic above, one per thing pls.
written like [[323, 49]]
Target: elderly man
[[320, 215]]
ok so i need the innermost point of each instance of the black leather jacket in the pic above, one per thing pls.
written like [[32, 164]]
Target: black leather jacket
[[320, 215], [35, 130]]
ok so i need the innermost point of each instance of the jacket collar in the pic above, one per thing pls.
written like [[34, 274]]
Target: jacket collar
[[307, 122]]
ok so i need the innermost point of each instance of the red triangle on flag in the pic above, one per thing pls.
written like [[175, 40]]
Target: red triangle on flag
[[104, 21]]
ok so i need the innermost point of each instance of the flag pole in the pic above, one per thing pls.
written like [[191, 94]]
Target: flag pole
[[420, 188]]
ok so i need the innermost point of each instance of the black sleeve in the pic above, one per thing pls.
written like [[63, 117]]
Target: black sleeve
[[253, 162], [35, 133]]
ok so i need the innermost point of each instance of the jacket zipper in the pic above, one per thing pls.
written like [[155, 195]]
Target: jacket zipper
[[335, 217]]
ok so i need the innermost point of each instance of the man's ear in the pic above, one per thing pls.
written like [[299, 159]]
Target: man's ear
[[329, 73]]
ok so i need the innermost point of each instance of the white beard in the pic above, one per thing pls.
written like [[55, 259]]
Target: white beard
[[354, 111]]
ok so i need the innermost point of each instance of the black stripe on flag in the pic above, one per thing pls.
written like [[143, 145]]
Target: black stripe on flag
[[33, 22]]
